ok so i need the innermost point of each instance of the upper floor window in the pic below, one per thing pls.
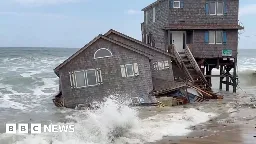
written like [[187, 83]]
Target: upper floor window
[[102, 52], [154, 14], [176, 4], [216, 37], [215, 8], [146, 17]]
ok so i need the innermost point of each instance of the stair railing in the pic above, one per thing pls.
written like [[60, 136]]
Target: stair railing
[[190, 56], [180, 62]]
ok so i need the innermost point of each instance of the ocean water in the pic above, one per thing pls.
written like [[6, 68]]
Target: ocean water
[[28, 83]]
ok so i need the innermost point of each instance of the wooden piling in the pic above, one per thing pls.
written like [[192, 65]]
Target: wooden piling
[[221, 78]]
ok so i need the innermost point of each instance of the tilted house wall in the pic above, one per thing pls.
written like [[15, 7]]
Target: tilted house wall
[[193, 17], [162, 78], [112, 80]]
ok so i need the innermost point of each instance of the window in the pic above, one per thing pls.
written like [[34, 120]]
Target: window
[[79, 78], [216, 37], [211, 37], [154, 14], [220, 8], [129, 70], [91, 77], [161, 65], [84, 78], [146, 17], [219, 37], [176, 4], [216, 8], [212, 8], [102, 52]]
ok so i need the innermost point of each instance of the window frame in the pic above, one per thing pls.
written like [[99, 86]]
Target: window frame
[[104, 56], [213, 37], [175, 2], [132, 70], [154, 14], [76, 79], [95, 74], [221, 37], [215, 6], [146, 17]]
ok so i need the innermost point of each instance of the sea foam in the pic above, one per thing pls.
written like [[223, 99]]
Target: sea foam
[[115, 122]]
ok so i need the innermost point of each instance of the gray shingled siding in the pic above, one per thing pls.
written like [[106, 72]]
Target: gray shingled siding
[[165, 75], [159, 35], [113, 82], [193, 13], [202, 50]]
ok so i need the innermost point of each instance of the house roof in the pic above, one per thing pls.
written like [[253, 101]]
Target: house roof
[[151, 5], [202, 26], [138, 42], [56, 70]]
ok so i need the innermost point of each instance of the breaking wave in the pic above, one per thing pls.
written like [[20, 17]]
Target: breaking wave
[[115, 122]]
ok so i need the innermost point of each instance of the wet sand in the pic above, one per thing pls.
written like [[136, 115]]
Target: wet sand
[[217, 133]]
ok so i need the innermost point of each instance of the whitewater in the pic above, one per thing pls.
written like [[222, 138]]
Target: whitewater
[[28, 83]]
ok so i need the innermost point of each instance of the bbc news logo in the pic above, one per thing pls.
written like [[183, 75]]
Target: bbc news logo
[[36, 128]]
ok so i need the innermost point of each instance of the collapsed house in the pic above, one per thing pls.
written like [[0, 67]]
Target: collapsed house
[[179, 49]]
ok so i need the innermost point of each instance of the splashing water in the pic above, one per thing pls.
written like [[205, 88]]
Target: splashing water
[[117, 123]]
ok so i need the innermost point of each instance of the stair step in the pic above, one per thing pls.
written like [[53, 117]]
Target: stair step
[[186, 60], [183, 56], [188, 65]]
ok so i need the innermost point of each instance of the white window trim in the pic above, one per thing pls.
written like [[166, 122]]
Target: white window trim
[[175, 2], [132, 70], [104, 56], [215, 8], [154, 14], [71, 78], [76, 80], [99, 76], [214, 37], [95, 78], [217, 5]]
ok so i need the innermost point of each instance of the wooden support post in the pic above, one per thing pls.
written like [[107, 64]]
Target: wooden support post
[[234, 78], [227, 77], [208, 72], [227, 83], [221, 78]]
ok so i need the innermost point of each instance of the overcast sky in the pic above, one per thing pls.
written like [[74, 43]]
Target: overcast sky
[[72, 23]]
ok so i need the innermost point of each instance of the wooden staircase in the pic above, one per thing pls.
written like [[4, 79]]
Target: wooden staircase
[[188, 64]]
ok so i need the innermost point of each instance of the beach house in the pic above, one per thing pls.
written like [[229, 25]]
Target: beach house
[[204, 29], [182, 41]]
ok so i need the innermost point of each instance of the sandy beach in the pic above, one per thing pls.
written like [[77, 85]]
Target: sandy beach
[[214, 132]]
